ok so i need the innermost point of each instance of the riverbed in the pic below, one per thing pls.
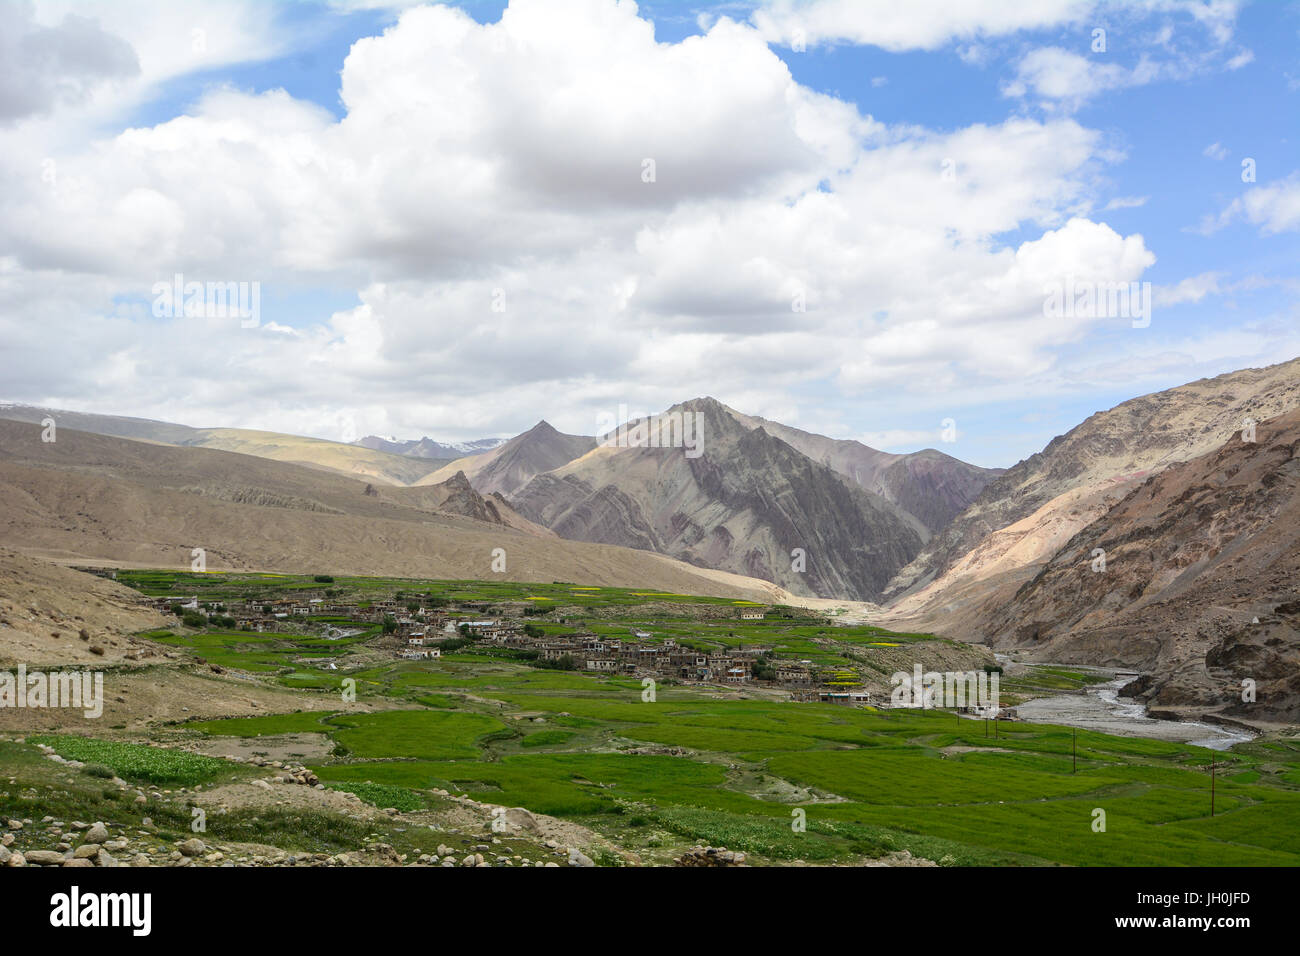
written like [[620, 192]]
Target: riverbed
[[1101, 708]]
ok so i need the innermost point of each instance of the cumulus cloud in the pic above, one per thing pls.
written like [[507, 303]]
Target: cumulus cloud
[[42, 67], [487, 201], [181, 36]]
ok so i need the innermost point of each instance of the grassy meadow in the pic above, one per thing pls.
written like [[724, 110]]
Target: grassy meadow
[[711, 768], [738, 767]]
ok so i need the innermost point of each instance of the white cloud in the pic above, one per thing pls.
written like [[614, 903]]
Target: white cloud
[[1240, 60], [1273, 207], [1216, 151], [475, 158], [916, 25], [1069, 79], [931, 24], [1192, 289], [64, 63], [179, 37], [1126, 202]]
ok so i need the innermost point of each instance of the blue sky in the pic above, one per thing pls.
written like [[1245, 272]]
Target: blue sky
[[477, 154]]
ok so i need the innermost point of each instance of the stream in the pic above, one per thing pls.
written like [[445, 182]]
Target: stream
[[1101, 708]]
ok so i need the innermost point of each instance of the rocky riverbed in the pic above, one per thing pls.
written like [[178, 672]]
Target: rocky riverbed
[[1101, 708]]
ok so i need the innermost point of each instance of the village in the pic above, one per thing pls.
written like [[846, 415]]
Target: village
[[415, 630]]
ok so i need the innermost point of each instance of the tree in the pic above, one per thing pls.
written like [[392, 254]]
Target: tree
[[390, 624]]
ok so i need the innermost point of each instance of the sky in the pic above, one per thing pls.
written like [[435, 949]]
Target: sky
[[858, 217]]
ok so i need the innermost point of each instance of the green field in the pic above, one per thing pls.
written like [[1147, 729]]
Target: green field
[[701, 765], [138, 763], [710, 625], [229, 586], [868, 781]]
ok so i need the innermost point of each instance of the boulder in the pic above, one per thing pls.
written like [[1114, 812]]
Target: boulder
[[45, 857]]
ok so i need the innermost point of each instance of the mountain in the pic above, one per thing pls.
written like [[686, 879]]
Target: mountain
[[141, 429], [1022, 516], [332, 456], [512, 465], [428, 448], [95, 498], [928, 485], [849, 536], [743, 504], [1200, 585], [312, 452]]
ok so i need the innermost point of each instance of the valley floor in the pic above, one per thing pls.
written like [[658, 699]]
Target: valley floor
[[475, 755]]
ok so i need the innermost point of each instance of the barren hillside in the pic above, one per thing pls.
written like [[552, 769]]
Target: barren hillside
[[928, 485], [509, 467], [746, 503], [111, 500], [1194, 557], [1022, 517], [355, 460], [54, 615]]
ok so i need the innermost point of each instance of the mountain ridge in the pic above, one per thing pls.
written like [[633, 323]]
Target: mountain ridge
[[745, 503]]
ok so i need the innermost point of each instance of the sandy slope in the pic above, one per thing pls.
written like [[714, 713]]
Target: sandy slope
[[355, 460], [44, 608], [110, 500]]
